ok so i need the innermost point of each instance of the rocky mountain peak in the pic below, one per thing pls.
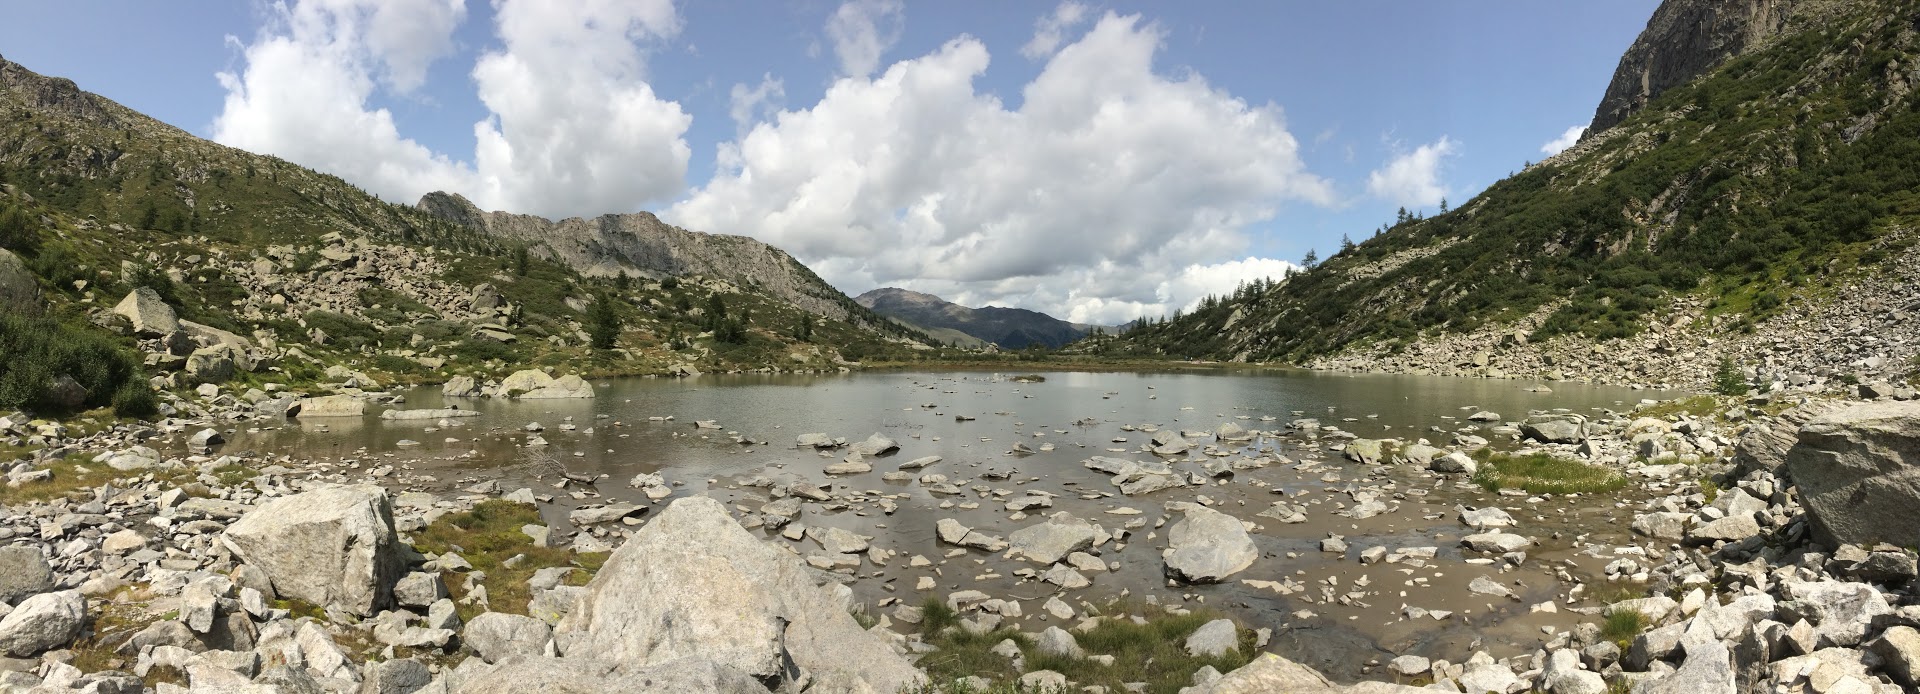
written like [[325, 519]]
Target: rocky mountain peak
[[1683, 40], [56, 94]]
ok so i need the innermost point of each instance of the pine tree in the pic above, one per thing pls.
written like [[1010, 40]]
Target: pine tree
[[603, 323], [1311, 259]]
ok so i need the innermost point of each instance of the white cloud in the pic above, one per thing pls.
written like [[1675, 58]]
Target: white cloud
[[750, 105], [1108, 181], [862, 31], [1565, 140], [573, 126], [1050, 29], [1412, 179]]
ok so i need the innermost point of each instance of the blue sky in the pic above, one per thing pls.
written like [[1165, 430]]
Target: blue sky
[[1153, 153]]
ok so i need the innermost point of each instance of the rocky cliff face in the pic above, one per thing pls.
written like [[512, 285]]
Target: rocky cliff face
[[1683, 40], [613, 243]]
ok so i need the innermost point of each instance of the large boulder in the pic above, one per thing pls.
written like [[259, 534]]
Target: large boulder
[[533, 384], [150, 315], [1207, 546], [459, 387], [42, 622], [1555, 428], [23, 572], [328, 406], [333, 547], [1765, 445], [1051, 541], [695, 584], [1858, 470]]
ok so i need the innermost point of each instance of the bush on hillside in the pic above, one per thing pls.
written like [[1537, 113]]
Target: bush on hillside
[[36, 352]]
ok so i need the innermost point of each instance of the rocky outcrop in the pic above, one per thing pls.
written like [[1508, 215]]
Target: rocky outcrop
[[333, 547], [1683, 40], [693, 584], [1858, 470], [606, 245]]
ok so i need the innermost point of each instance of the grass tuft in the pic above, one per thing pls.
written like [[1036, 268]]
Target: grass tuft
[[1621, 626], [1542, 473]]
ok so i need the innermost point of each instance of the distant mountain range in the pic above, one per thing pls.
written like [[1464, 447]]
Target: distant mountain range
[[1010, 328]]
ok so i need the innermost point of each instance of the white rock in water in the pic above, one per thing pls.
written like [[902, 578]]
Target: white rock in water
[[1207, 546]]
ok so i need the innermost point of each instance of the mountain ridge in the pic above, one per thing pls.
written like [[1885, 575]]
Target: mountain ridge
[[1010, 328]]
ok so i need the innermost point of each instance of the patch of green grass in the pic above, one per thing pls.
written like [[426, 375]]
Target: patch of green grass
[[1621, 626], [487, 537], [1153, 652], [70, 476], [1542, 473]]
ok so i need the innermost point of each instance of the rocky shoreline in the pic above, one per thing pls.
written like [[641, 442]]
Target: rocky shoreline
[[126, 568]]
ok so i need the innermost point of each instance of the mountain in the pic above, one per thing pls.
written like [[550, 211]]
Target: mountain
[[614, 243], [1747, 195], [302, 277], [1010, 328]]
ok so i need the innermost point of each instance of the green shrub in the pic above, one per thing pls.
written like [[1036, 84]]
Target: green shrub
[[1727, 380], [35, 352]]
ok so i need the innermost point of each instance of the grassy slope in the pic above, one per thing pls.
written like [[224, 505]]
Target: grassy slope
[[1779, 170]]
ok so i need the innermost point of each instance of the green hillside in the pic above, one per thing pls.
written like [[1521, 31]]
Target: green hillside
[[1768, 178], [311, 273]]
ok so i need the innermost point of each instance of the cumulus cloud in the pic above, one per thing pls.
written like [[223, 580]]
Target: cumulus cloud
[[1412, 179], [1050, 29], [862, 31], [748, 105], [573, 126], [1108, 181], [1565, 140]]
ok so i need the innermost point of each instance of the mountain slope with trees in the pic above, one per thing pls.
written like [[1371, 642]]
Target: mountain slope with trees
[[1770, 183]]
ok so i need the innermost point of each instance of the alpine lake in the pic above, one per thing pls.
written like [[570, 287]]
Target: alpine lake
[[1327, 609]]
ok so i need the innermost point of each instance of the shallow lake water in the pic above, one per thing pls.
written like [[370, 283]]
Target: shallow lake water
[[623, 432]]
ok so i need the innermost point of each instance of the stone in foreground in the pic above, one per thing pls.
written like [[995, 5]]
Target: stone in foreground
[[333, 547], [1858, 470], [693, 584]]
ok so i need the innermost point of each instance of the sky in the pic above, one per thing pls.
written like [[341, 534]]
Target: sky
[[1098, 161]]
